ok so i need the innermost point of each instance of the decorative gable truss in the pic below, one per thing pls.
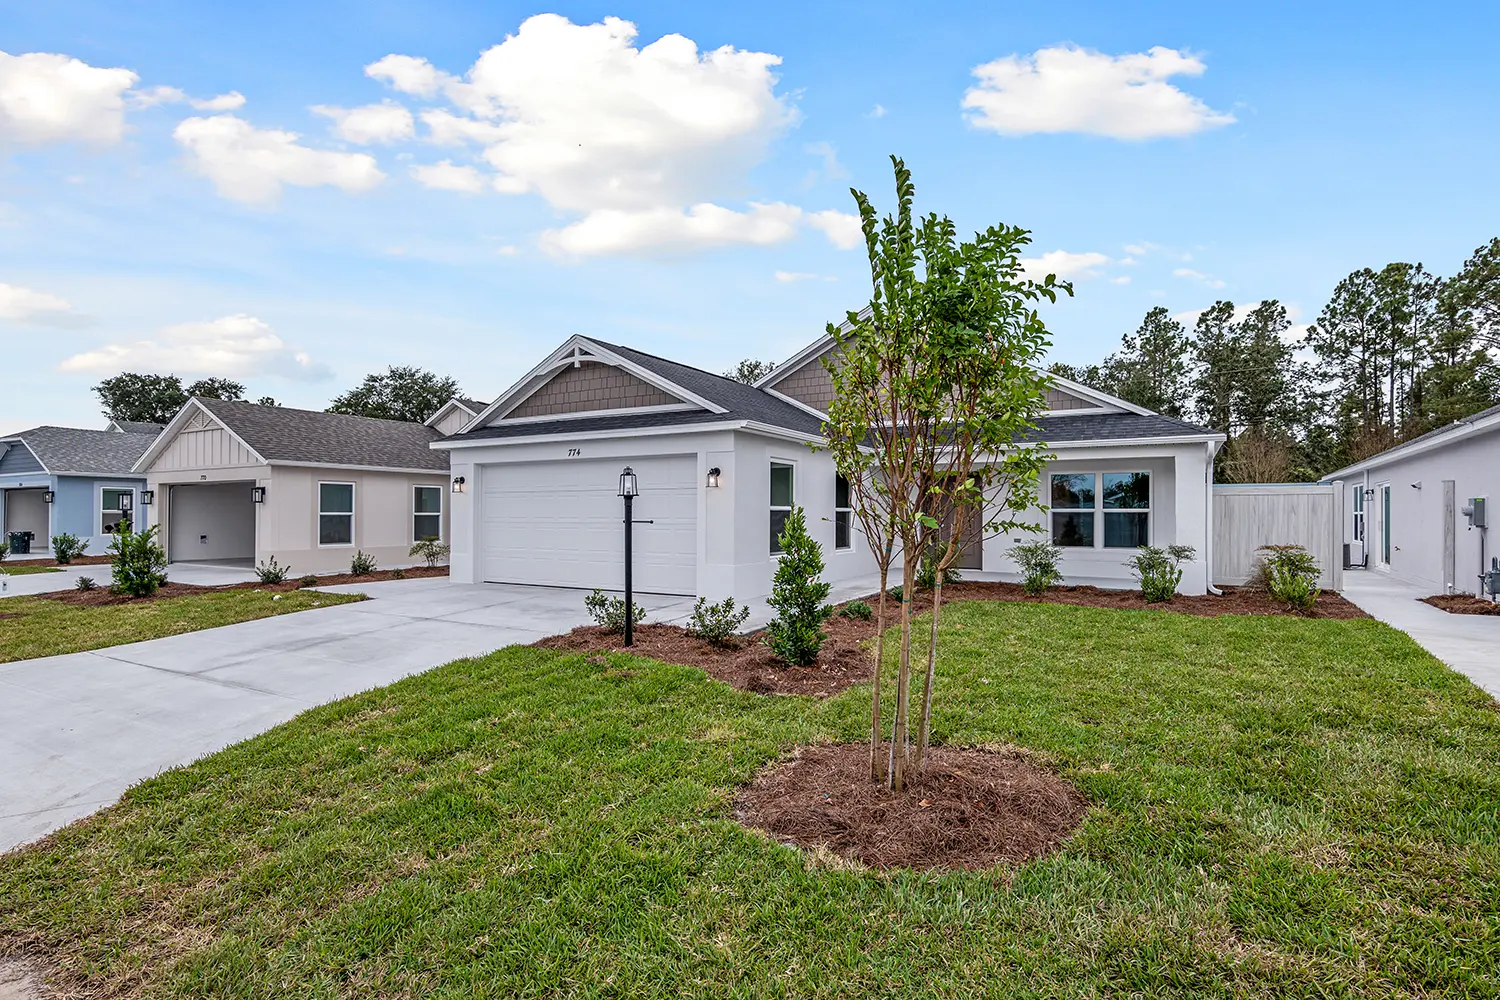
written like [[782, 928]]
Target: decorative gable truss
[[583, 378], [196, 439]]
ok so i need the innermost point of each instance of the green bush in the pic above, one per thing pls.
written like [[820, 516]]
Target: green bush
[[798, 595], [398, 574], [927, 570], [1159, 570], [857, 609], [85, 583], [716, 623], [894, 593], [138, 566], [4, 548], [308, 581], [1038, 562], [609, 611], [272, 571], [66, 547], [362, 563], [430, 550], [1290, 573]]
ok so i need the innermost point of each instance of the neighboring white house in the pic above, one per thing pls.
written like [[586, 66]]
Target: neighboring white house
[[1404, 509], [241, 482], [719, 464]]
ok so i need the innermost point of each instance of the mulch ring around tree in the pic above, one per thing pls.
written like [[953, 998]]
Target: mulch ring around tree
[[970, 808], [101, 594], [1463, 604], [747, 664]]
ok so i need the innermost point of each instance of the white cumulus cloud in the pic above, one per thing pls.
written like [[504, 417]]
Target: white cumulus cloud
[[373, 123], [250, 165], [27, 305], [150, 97], [1192, 275], [230, 347], [841, 228], [445, 175], [1071, 89], [1065, 265], [668, 230], [46, 97]]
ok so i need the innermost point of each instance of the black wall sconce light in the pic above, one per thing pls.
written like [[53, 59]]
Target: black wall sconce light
[[148, 497], [713, 478], [48, 496], [458, 484], [1369, 494], [258, 494]]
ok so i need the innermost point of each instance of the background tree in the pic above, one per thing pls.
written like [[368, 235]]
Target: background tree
[[217, 388], [1218, 362], [401, 393], [143, 398], [267, 401], [1153, 365], [750, 371]]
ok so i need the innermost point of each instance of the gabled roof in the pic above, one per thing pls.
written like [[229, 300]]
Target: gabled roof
[[135, 427], [76, 451], [463, 403], [1113, 426], [286, 436], [1475, 423]]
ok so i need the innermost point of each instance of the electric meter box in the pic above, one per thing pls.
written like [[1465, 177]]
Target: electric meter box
[[1476, 513]]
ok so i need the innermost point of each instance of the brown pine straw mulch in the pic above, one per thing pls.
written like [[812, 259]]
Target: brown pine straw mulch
[[102, 595], [969, 808], [94, 560], [1463, 604], [847, 657]]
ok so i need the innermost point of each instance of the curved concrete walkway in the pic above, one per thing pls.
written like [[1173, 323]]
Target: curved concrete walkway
[[1469, 644]]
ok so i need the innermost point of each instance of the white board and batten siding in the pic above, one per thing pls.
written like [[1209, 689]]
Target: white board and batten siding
[[203, 443], [1249, 516]]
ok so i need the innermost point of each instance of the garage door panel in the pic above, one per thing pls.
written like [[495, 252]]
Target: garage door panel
[[561, 524]]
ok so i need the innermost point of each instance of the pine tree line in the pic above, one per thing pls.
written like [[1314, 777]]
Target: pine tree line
[[1394, 354]]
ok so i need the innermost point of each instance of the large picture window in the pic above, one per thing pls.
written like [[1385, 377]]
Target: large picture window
[[335, 513], [781, 501], [1073, 509], [843, 515], [1127, 509], [427, 513], [111, 510]]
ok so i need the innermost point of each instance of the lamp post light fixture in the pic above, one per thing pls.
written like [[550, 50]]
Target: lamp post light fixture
[[629, 488], [458, 484], [126, 503], [713, 478], [257, 494]]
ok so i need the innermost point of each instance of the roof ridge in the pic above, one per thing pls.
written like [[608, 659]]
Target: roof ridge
[[298, 409], [680, 364]]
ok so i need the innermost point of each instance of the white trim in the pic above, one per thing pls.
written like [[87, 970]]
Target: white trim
[[1458, 431], [360, 468], [813, 410], [416, 514], [837, 475], [771, 508], [796, 361], [1100, 512], [99, 506], [1133, 442], [318, 514], [585, 414], [174, 426], [432, 421]]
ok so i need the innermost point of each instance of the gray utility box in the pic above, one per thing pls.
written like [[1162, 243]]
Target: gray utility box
[[1492, 578], [1475, 512]]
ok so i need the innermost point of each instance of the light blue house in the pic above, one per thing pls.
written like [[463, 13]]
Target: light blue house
[[56, 480]]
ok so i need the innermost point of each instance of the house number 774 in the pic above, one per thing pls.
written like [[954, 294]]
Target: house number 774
[[574, 452]]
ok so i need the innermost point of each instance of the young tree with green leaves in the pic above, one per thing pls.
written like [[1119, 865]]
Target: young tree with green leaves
[[401, 393], [935, 376]]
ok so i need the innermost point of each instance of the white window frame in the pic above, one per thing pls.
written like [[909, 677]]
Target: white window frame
[[350, 513], [99, 505], [416, 514], [773, 508], [848, 512], [1093, 511], [1148, 510]]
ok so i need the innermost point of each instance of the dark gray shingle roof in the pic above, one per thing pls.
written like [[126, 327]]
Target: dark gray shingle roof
[[282, 434], [474, 404], [1085, 426], [73, 449], [138, 426]]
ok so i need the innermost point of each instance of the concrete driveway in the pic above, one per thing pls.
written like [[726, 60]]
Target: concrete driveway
[[78, 730]]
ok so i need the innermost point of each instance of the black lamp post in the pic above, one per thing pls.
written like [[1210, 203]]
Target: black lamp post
[[629, 487]]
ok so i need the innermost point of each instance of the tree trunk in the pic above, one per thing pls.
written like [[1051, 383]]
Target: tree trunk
[[875, 733], [900, 742]]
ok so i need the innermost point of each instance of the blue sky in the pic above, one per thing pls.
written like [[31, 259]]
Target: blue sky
[[161, 216]]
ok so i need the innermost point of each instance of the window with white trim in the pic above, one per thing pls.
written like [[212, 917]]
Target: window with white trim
[[1073, 509], [110, 513], [1127, 509], [843, 515], [427, 513], [782, 492], [335, 513], [1081, 500]]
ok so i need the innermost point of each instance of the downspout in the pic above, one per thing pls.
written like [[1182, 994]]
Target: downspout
[[1208, 534]]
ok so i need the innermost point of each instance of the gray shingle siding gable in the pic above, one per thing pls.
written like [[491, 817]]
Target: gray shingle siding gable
[[18, 460], [87, 452]]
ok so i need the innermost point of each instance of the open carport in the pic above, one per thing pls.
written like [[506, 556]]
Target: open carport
[[211, 522]]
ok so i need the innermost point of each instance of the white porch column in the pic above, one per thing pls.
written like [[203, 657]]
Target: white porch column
[[1191, 500]]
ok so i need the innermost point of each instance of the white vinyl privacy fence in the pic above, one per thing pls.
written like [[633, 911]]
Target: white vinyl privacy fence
[[1247, 517]]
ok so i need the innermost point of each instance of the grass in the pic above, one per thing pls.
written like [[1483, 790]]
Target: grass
[[22, 569], [1282, 807], [36, 626]]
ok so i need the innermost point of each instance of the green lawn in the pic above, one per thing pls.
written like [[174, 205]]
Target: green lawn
[[1282, 807], [36, 626], [23, 569]]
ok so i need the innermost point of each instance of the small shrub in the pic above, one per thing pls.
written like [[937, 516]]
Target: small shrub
[[1290, 573], [608, 611], [798, 595], [1038, 562], [4, 549], [430, 550], [894, 593], [66, 547], [138, 565], [362, 564], [927, 570], [857, 609], [1159, 570], [272, 571], [85, 583], [716, 623], [307, 581], [398, 574]]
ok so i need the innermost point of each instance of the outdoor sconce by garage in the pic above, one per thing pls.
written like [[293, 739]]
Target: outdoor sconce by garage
[[258, 494], [458, 484], [148, 497], [713, 478], [1369, 494], [48, 496]]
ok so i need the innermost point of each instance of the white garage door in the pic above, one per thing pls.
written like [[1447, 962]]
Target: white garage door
[[561, 524]]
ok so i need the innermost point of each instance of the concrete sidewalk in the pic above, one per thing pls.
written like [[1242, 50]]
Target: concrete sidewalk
[[199, 574], [78, 730], [1469, 644]]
